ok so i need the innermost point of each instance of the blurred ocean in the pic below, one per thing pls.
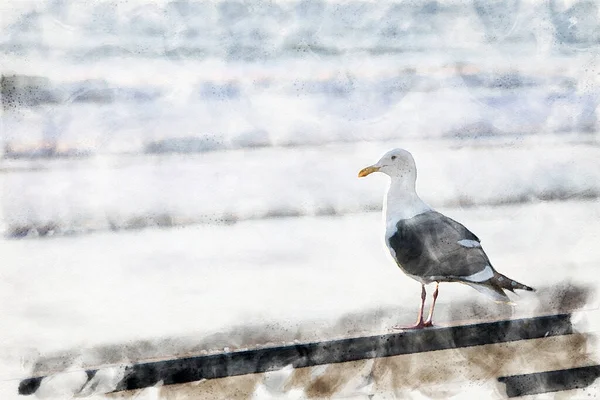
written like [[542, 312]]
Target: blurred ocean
[[106, 102], [233, 132]]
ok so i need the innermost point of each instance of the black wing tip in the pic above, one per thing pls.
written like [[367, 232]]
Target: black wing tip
[[520, 286]]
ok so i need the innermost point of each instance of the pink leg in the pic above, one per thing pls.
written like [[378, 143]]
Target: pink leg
[[419, 324], [429, 321]]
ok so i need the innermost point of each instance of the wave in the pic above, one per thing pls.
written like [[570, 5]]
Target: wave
[[52, 119], [253, 30], [143, 221], [29, 91], [79, 196]]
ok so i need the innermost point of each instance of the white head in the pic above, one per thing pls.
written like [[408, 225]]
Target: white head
[[402, 201], [398, 164]]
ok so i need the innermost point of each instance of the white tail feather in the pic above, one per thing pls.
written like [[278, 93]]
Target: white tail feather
[[492, 294]]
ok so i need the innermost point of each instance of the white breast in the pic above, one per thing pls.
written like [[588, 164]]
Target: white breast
[[400, 204]]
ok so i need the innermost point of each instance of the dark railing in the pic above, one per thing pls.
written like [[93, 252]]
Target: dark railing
[[190, 369]]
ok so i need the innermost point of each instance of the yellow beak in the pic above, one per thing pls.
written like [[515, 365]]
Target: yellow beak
[[366, 171]]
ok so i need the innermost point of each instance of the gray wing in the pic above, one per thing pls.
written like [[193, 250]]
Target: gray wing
[[436, 247]]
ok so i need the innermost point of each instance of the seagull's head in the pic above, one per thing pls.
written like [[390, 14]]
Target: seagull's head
[[396, 163]]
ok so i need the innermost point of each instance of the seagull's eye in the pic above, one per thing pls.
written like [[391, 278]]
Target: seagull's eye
[[393, 158]]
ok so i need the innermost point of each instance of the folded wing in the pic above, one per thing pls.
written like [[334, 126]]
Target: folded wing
[[434, 247]]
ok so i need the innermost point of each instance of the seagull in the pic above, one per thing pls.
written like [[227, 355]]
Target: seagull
[[428, 246]]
